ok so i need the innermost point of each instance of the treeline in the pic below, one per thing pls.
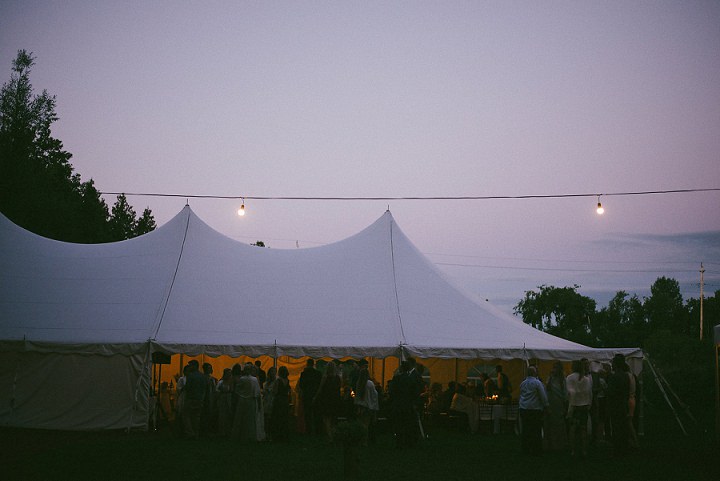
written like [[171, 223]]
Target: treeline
[[39, 189], [627, 321]]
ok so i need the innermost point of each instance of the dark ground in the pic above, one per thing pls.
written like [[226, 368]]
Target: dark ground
[[448, 454]]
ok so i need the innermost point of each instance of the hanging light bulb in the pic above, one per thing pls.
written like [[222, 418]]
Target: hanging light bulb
[[241, 210], [600, 209]]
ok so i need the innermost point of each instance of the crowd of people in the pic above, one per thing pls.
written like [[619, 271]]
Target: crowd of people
[[245, 403], [565, 409], [250, 405]]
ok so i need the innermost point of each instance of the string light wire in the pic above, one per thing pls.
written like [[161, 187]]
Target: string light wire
[[462, 197]]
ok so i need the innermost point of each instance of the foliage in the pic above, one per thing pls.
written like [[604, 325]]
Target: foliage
[[622, 322], [664, 307], [146, 223], [561, 311], [38, 187]]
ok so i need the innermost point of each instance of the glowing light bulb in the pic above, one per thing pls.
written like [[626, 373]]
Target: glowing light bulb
[[600, 209], [241, 210]]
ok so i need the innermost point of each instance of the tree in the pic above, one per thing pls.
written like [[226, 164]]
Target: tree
[[36, 180], [621, 323], [664, 308], [123, 221], [560, 311], [146, 223], [38, 188]]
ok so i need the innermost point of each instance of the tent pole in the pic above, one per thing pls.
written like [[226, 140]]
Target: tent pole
[[275, 356], [383, 374]]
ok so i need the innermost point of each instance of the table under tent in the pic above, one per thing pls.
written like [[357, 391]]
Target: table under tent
[[80, 324]]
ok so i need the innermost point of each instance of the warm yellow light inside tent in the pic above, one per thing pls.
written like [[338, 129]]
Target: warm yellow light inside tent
[[241, 210], [600, 209]]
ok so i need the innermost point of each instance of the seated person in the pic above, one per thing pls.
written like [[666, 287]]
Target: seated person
[[462, 403]]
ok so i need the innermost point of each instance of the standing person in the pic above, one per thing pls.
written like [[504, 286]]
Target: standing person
[[503, 383], [533, 402], [259, 413], [632, 385], [555, 425], [209, 408], [366, 400], [599, 407], [195, 384], [579, 386], [415, 373], [224, 390], [261, 376], [280, 418], [328, 402], [180, 401], [618, 393], [402, 398], [248, 398], [308, 386], [268, 396]]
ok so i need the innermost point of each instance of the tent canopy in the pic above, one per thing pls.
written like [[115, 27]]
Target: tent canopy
[[185, 288]]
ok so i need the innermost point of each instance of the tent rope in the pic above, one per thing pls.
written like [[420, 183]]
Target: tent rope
[[172, 283], [397, 297]]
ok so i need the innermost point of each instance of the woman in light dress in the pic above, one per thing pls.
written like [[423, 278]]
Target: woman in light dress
[[246, 389]]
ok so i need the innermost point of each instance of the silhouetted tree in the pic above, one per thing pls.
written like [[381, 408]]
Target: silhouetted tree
[[664, 308], [560, 311], [123, 219], [38, 188], [621, 323], [146, 223]]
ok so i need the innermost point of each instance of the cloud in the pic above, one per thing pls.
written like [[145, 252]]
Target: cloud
[[687, 247]]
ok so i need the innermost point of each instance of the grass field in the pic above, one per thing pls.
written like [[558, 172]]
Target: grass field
[[447, 455]]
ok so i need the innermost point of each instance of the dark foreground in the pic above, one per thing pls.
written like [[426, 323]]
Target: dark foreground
[[446, 455]]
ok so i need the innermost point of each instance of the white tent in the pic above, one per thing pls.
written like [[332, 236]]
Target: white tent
[[78, 323]]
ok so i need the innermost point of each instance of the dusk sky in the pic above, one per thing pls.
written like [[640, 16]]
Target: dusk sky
[[406, 99]]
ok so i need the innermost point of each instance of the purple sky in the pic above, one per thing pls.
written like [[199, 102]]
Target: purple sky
[[406, 99]]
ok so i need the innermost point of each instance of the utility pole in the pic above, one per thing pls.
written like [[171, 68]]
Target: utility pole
[[702, 281]]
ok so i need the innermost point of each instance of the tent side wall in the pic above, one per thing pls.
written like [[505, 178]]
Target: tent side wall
[[73, 391]]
